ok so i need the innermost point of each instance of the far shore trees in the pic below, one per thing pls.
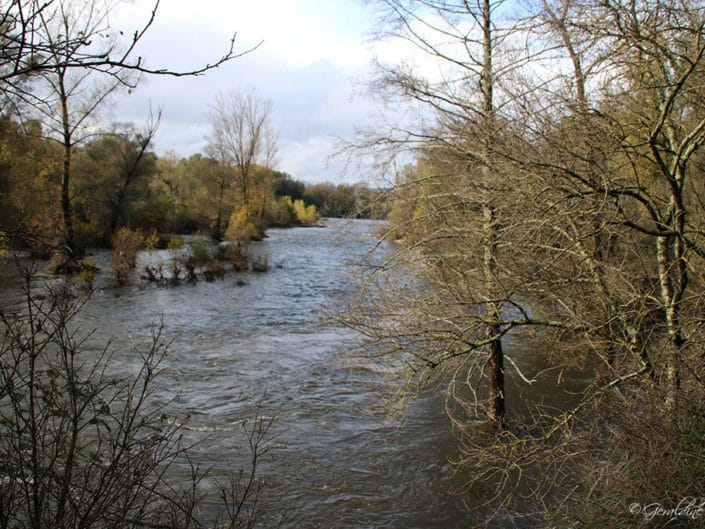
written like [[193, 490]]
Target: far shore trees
[[110, 174], [60, 62]]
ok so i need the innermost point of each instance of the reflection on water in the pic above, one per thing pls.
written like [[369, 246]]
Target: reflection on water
[[253, 334]]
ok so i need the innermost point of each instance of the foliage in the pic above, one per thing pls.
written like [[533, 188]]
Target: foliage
[[286, 186], [346, 201], [30, 190], [178, 197], [306, 215], [281, 212], [175, 244], [112, 174], [241, 226], [201, 250], [332, 201], [150, 242], [126, 243], [287, 212]]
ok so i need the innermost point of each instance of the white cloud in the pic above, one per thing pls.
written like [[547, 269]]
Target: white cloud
[[310, 51]]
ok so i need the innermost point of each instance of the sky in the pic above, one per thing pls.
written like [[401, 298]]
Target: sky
[[311, 60]]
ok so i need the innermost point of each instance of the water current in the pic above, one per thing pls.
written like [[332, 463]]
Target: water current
[[250, 337]]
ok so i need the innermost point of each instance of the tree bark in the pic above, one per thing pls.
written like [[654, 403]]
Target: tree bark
[[69, 248], [218, 235], [129, 175], [670, 298], [496, 412], [497, 408]]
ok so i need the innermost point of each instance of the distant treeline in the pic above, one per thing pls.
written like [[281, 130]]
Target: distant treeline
[[117, 181], [340, 201]]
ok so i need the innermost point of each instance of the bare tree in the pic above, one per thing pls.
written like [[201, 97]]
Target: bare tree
[[576, 212], [25, 49], [459, 189], [268, 164], [242, 139], [645, 120]]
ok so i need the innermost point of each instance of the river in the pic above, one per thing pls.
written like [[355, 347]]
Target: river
[[338, 461]]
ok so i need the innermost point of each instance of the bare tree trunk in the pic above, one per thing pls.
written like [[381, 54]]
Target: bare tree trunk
[[671, 295], [497, 409], [69, 248], [218, 235], [496, 412], [487, 75]]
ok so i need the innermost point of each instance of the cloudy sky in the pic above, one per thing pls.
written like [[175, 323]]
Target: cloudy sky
[[312, 57]]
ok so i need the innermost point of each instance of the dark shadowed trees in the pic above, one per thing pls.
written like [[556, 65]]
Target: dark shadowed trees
[[112, 176]]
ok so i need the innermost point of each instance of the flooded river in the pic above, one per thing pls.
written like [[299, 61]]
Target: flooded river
[[338, 463]]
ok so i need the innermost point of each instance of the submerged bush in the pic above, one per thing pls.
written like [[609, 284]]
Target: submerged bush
[[126, 243], [151, 242], [236, 254], [260, 263], [175, 244], [202, 251]]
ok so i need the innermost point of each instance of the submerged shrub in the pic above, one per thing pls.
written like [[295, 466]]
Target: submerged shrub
[[151, 242], [202, 251], [236, 254], [175, 244], [260, 263], [213, 271], [126, 243]]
